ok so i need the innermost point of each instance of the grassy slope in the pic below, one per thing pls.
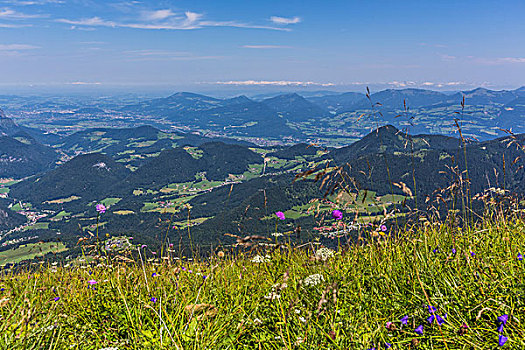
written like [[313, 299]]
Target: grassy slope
[[373, 284]]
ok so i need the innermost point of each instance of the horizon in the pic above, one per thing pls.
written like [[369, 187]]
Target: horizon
[[95, 46]]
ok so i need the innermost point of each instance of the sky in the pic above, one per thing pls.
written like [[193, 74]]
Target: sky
[[214, 44]]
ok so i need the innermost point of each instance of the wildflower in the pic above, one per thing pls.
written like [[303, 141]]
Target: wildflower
[[272, 296], [390, 326], [280, 215], [56, 299], [463, 329], [171, 245], [388, 345], [383, 228], [154, 274], [337, 214], [520, 257], [502, 340], [257, 321], [204, 277], [313, 280], [277, 234], [419, 330], [92, 282], [440, 320], [144, 246], [436, 250], [324, 253], [153, 300], [453, 250], [101, 208], [502, 321], [302, 319], [430, 319], [404, 320], [431, 309], [2, 289], [472, 254], [260, 259], [297, 311], [220, 254]]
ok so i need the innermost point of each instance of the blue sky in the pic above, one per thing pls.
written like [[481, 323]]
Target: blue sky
[[222, 43]]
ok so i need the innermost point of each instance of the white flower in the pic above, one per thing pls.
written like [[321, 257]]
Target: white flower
[[257, 321], [297, 311], [272, 296], [110, 348], [324, 253], [302, 319], [277, 234], [313, 280], [260, 259]]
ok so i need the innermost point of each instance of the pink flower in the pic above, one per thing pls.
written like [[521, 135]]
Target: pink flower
[[280, 215], [383, 228], [337, 214], [101, 208], [92, 282]]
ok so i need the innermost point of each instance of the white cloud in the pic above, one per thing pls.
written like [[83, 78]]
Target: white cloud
[[9, 25], [84, 83], [158, 15], [12, 14], [17, 47], [266, 47], [165, 21], [274, 83], [284, 20]]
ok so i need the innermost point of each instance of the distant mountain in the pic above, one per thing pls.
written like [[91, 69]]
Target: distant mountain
[[21, 156], [88, 176], [294, 108], [388, 139], [9, 127], [216, 160], [120, 143], [482, 96], [338, 103], [394, 99], [176, 106], [9, 218], [237, 116]]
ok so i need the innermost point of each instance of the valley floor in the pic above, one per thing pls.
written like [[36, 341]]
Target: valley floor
[[433, 287]]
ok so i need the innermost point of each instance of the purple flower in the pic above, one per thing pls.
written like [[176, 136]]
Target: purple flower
[[503, 319], [337, 214], [419, 330], [430, 319], [388, 345], [431, 309], [92, 282], [171, 245], [389, 325], [520, 257], [453, 250], [144, 246], [472, 253], [440, 320], [2, 289], [154, 300], [101, 208], [500, 327], [435, 250], [280, 215], [383, 228], [57, 298], [502, 340], [154, 274], [204, 277], [404, 320]]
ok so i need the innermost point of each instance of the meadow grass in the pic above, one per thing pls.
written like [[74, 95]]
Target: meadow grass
[[283, 298]]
